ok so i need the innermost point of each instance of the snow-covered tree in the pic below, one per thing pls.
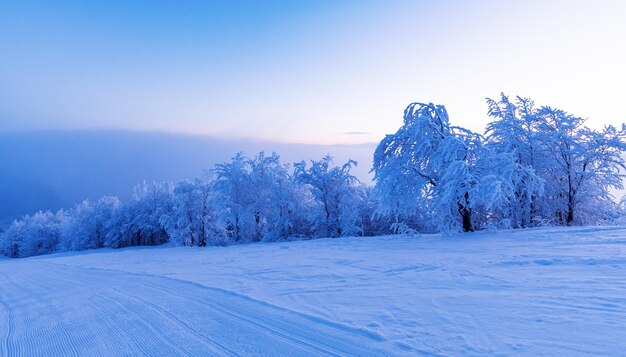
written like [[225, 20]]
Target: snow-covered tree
[[11, 239], [514, 132], [269, 209], [287, 206], [430, 167], [191, 221], [255, 198], [337, 196], [233, 199], [564, 170], [86, 224], [406, 167], [33, 235], [581, 166], [141, 221]]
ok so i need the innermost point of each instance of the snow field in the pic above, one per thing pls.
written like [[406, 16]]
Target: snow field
[[552, 291]]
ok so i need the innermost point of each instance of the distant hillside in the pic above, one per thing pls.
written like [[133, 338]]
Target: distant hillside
[[55, 169]]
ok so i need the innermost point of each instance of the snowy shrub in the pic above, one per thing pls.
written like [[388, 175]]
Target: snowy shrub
[[402, 228]]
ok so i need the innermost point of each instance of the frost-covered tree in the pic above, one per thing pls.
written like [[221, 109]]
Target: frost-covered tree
[[580, 167], [406, 167], [233, 199], [33, 235], [86, 224], [288, 206], [431, 167], [191, 221], [514, 132], [271, 201], [12, 238], [564, 170], [255, 199], [337, 196], [141, 221]]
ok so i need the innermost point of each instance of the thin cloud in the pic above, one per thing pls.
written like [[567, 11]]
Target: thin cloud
[[356, 133]]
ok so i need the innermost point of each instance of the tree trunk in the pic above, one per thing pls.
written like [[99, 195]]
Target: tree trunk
[[466, 215], [570, 201], [570, 211], [467, 220]]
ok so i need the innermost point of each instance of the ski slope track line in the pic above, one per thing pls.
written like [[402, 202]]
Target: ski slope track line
[[49, 309]]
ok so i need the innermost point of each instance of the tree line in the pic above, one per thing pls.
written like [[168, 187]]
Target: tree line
[[255, 199], [533, 166]]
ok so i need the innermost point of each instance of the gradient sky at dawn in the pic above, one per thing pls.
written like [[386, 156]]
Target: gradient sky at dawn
[[301, 71]]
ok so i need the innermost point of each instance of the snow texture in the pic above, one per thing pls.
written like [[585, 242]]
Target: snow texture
[[556, 291]]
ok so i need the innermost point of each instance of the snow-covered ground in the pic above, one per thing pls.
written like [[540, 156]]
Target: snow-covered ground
[[535, 292]]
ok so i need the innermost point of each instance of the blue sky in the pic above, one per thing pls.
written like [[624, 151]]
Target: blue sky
[[301, 71]]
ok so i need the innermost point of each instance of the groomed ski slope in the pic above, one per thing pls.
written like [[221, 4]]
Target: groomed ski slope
[[559, 291]]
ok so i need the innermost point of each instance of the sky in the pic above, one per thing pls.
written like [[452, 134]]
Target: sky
[[319, 72]]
